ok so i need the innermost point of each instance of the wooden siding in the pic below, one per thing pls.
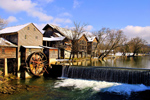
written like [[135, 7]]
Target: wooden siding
[[82, 44], [94, 43], [92, 46], [68, 45], [53, 53], [7, 52], [50, 54], [89, 47], [30, 37]]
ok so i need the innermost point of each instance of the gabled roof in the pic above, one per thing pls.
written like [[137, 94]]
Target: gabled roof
[[53, 38], [5, 43], [91, 39], [65, 32], [84, 36], [90, 36], [13, 29], [59, 35]]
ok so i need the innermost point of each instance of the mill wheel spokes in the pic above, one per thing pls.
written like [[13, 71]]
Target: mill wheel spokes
[[37, 63]]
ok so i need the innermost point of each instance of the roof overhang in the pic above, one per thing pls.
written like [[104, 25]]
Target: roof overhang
[[49, 47], [53, 38], [6, 43], [35, 47]]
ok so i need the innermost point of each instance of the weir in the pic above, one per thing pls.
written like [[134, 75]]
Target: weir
[[110, 74]]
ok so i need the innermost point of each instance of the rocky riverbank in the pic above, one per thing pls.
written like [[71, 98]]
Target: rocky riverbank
[[7, 88]]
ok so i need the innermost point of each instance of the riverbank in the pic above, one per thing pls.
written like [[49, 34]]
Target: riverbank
[[6, 86]]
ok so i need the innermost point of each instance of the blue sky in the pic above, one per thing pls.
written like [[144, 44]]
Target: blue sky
[[132, 16]]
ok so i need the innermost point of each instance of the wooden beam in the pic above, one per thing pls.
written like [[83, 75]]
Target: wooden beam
[[5, 67]]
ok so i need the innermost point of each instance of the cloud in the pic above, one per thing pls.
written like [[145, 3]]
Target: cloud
[[88, 27], [76, 3], [12, 19], [40, 15], [48, 1], [134, 31], [65, 14], [27, 6], [17, 5], [62, 20]]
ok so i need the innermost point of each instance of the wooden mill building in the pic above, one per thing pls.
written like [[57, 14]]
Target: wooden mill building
[[92, 46], [51, 32], [55, 36], [7, 56], [81, 46], [27, 38]]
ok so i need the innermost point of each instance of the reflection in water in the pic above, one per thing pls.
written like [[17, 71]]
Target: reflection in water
[[127, 62], [77, 89]]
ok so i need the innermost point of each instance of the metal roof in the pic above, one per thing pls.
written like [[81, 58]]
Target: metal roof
[[6, 43], [53, 38], [70, 33], [36, 47], [13, 29]]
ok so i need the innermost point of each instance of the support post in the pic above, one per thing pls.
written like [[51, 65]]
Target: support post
[[46, 43], [78, 55], [5, 67]]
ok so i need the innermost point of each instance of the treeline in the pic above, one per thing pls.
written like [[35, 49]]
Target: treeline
[[116, 41]]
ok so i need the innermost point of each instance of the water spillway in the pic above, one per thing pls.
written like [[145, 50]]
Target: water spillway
[[110, 74]]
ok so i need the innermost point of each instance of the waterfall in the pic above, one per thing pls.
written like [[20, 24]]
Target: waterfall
[[110, 74]]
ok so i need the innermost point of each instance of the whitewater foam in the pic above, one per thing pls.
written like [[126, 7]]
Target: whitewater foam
[[102, 86]]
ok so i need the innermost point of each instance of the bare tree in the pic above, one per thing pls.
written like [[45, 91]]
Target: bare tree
[[109, 40], [124, 49], [136, 44], [76, 32], [101, 35], [3, 23]]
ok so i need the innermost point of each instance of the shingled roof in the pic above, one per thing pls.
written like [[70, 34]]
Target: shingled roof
[[5, 43]]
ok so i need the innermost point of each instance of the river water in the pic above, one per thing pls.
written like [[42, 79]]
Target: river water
[[80, 89]]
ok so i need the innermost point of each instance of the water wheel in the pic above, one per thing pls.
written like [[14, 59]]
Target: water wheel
[[36, 63]]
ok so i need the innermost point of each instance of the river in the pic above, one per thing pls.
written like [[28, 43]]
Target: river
[[80, 89]]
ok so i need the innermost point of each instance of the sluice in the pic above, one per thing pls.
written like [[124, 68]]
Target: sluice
[[110, 74]]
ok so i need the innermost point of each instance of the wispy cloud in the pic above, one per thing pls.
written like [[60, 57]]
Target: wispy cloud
[[89, 28], [12, 19], [76, 3], [134, 31], [65, 14], [48, 1], [25, 5], [62, 20]]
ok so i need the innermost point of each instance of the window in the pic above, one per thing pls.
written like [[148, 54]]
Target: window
[[36, 37], [3, 51], [25, 37], [53, 51], [30, 50], [28, 28], [34, 29]]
